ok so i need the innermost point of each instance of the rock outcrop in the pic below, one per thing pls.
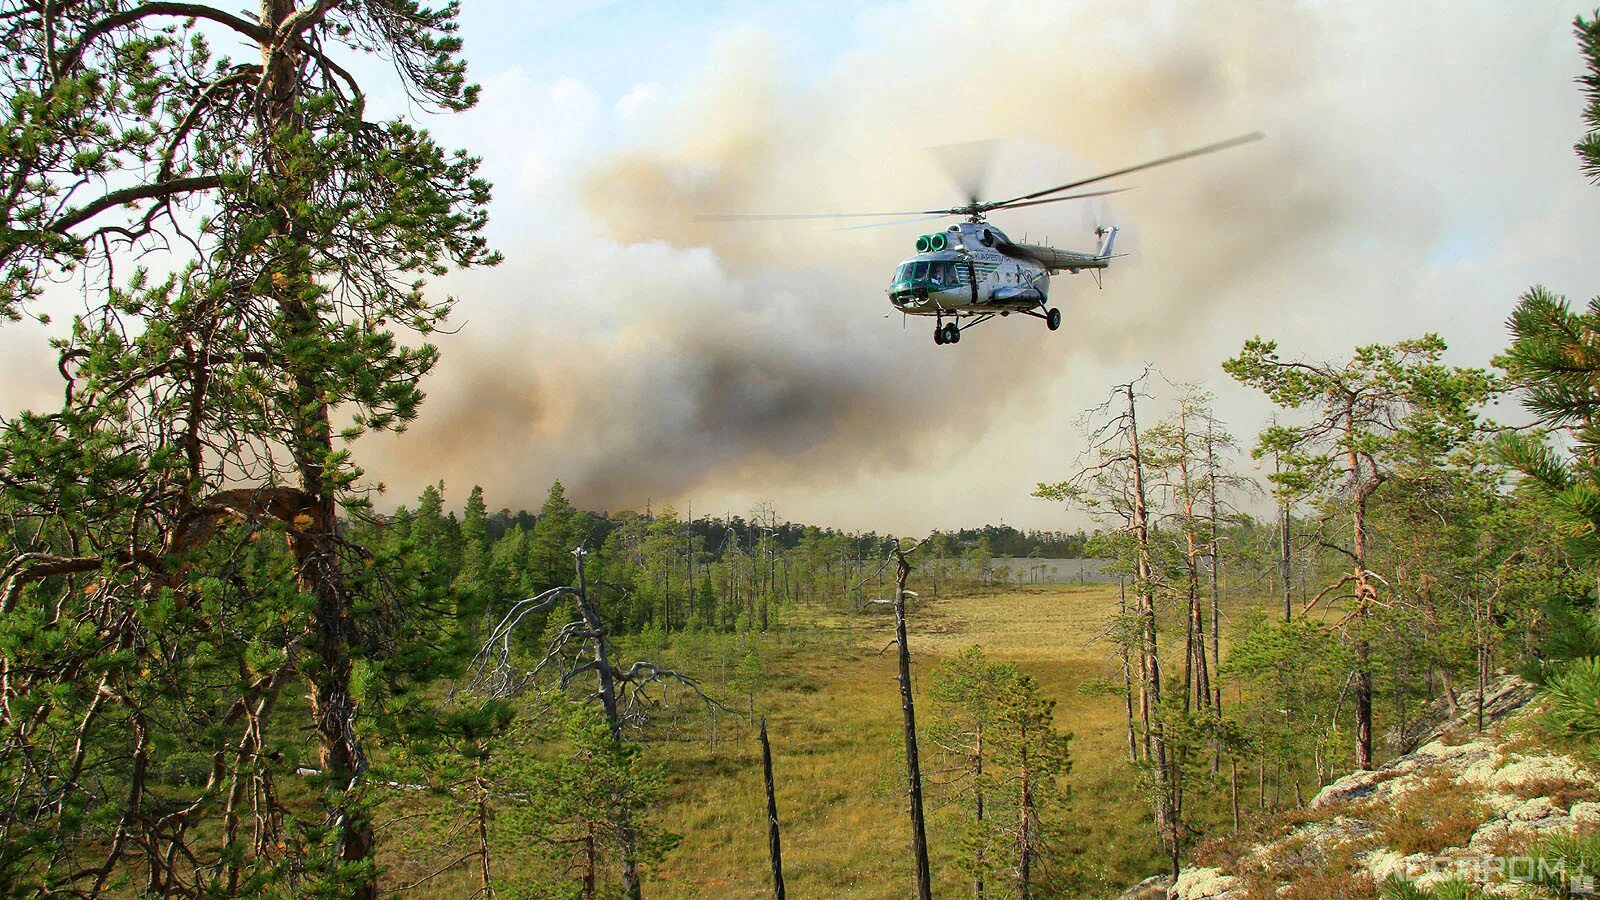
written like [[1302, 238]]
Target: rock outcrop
[[1456, 807]]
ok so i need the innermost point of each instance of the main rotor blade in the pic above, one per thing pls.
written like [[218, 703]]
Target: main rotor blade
[[1187, 154], [891, 222], [779, 217], [1013, 205]]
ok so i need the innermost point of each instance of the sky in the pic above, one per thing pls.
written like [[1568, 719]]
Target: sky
[[1417, 174]]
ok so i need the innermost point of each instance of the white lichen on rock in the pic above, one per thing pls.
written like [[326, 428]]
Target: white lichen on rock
[[1521, 793], [1204, 884]]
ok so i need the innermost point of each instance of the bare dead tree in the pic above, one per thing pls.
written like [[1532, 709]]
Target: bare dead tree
[[579, 647], [1114, 485], [919, 835], [1127, 670], [774, 839], [1173, 455]]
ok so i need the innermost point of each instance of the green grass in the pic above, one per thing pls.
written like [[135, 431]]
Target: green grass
[[834, 717]]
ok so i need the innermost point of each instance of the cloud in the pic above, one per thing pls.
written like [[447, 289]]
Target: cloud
[[640, 101]]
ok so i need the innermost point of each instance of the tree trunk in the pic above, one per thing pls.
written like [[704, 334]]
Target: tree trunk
[[1197, 686], [1025, 826], [608, 700], [1283, 546], [1233, 785], [1216, 566], [485, 872], [919, 837], [590, 864], [1127, 672], [977, 884], [774, 842], [1175, 805], [1363, 697], [1483, 679], [1150, 661], [313, 537], [1365, 594]]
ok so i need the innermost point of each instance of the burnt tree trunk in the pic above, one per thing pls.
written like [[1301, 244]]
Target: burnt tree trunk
[[919, 834], [608, 700], [480, 786], [977, 881], [774, 841]]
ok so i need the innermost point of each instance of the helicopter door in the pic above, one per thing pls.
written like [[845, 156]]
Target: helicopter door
[[972, 280]]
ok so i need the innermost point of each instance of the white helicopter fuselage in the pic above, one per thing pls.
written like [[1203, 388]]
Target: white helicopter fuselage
[[972, 268]]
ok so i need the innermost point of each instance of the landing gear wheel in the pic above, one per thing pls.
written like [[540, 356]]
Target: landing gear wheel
[[1052, 319], [951, 333], [938, 334]]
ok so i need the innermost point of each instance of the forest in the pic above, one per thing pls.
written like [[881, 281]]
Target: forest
[[230, 666]]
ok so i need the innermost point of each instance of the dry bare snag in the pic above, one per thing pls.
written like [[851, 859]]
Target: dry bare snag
[[774, 837], [581, 647], [900, 557], [1112, 486]]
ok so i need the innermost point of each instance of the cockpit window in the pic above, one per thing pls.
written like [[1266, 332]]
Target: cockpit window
[[942, 272]]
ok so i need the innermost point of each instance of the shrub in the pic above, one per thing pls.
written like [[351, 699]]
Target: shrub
[[1439, 814], [1454, 889], [1560, 860], [1562, 792], [1572, 699]]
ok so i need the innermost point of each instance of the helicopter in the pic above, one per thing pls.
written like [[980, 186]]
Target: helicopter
[[972, 271]]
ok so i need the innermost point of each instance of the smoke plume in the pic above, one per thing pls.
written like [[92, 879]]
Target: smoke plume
[[640, 355]]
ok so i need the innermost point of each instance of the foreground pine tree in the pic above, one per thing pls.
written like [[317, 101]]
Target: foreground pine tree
[[176, 559]]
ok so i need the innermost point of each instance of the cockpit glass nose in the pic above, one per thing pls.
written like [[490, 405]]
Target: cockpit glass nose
[[921, 271]]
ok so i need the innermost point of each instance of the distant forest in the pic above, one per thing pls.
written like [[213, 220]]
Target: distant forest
[[1003, 540]]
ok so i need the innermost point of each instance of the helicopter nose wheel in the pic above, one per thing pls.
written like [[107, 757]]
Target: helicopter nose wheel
[[1052, 319], [947, 334]]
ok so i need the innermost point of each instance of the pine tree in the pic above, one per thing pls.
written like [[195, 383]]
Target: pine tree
[[471, 585], [1387, 405], [551, 542], [969, 693], [1588, 148], [598, 803], [199, 416]]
